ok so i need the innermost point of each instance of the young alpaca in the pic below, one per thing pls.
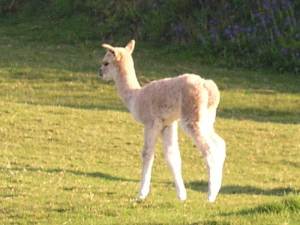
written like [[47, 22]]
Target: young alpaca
[[158, 105]]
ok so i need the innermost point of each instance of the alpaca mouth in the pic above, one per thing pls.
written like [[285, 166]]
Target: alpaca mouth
[[100, 74]]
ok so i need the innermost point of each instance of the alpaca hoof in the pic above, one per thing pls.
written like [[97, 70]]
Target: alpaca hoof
[[182, 196], [212, 198], [142, 196], [140, 199]]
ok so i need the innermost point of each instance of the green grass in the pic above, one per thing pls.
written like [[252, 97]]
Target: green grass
[[70, 152]]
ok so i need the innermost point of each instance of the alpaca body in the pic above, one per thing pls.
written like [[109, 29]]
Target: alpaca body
[[158, 106], [166, 99]]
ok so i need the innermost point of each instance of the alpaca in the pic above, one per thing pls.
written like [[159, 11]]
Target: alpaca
[[159, 106]]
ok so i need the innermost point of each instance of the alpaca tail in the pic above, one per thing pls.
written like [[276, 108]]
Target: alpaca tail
[[213, 93]]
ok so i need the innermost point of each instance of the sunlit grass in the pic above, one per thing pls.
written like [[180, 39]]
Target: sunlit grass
[[70, 152]]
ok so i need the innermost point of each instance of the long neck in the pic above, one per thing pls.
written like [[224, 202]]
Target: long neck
[[127, 83]]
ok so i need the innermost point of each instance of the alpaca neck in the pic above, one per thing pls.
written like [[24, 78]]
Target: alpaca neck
[[127, 84]]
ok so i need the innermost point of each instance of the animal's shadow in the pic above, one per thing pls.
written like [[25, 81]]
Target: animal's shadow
[[100, 175], [201, 186]]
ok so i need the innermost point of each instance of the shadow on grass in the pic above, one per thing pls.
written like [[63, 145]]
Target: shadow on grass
[[261, 115], [254, 114], [291, 164], [85, 59], [289, 204], [238, 189], [210, 222], [204, 222], [117, 107], [100, 175]]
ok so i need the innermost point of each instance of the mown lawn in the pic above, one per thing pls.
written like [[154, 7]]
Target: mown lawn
[[70, 152]]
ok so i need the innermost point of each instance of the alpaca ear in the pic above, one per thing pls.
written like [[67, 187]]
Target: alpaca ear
[[130, 46], [108, 47], [113, 50]]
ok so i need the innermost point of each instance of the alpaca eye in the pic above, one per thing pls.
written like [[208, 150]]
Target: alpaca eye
[[105, 64]]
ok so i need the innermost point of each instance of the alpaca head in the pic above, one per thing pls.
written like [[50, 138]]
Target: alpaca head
[[116, 59]]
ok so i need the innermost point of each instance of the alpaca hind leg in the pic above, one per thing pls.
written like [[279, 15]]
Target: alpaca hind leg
[[215, 161], [212, 148], [215, 158], [173, 158]]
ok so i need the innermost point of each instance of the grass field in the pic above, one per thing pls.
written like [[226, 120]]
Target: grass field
[[70, 152]]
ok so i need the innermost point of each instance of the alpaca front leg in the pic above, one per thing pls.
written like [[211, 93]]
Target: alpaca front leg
[[173, 158], [150, 135], [148, 158]]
